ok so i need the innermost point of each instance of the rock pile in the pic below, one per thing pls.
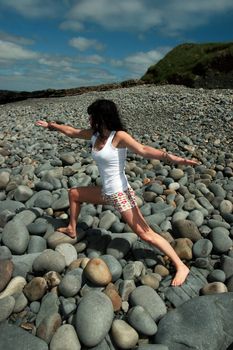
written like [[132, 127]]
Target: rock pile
[[107, 289]]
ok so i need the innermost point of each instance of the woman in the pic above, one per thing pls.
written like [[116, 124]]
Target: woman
[[110, 142]]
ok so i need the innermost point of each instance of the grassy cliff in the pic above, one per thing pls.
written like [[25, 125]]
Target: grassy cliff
[[207, 65]]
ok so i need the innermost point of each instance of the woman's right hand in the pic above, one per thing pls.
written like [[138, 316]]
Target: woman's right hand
[[42, 123]]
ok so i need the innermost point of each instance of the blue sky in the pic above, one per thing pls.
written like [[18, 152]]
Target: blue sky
[[66, 43]]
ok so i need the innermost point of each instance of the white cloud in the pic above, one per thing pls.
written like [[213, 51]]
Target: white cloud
[[83, 44], [72, 25], [34, 8], [139, 62], [11, 51], [15, 39], [170, 16], [121, 14]]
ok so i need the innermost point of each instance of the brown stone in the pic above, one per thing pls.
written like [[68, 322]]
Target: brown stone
[[6, 270], [161, 270], [98, 272], [183, 248], [48, 327], [35, 289], [52, 278], [114, 297], [214, 288]]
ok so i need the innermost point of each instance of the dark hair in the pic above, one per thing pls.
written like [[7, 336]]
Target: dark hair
[[104, 114]]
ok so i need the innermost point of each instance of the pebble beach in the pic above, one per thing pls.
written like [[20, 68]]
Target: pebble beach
[[107, 289]]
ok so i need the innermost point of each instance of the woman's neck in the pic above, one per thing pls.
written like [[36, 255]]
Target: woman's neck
[[105, 135]]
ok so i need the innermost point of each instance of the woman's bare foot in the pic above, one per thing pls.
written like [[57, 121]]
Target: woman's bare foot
[[68, 231], [181, 275]]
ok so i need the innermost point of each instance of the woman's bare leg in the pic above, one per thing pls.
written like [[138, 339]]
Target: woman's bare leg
[[135, 220], [89, 194]]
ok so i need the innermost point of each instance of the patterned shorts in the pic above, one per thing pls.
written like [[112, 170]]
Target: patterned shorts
[[121, 201]]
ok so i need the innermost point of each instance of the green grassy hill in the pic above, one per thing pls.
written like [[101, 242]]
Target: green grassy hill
[[207, 65]]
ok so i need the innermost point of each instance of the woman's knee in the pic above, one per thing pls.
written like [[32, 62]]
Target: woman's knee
[[74, 194], [145, 234]]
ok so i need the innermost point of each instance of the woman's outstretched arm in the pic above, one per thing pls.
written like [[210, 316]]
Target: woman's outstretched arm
[[125, 140], [66, 129]]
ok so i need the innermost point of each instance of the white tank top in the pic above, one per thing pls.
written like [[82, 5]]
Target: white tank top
[[111, 164]]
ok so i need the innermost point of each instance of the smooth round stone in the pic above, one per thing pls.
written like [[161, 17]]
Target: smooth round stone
[[68, 251], [148, 298], [113, 265], [226, 207], [17, 338], [125, 288], [97, 272], [220, 231], [121, 244], [15, 286], [149, 196], [146, 209], [67, 158], [5, 216], [70, 285], [67, 307], [206, 204], [6, 306], [4, 179], [35, 307], [35, 289], [23, 193], [221, 242], [113, 295], [227, 265], [44, 199], [5, 253], [124, 336], [155, 188], [11, 205], [15, 236], [133, 270], [49, 306], [191, 204], [49, 260], [65, 338], [179, 215], [38, 227], [62, 202], [36, 244], [202, 248], [161, 270], [44, 185], [107, 220], [212, 223], [57, 238], [48, 327], [217, 190], [6, 270], [174, 186], [183, 248], [27, 216], [176, 173], [95, 313], [186, 229], [213, 288], [162, 208], [20, 303], [150, 280], [197, 217], [141, 321], [216, 275]]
